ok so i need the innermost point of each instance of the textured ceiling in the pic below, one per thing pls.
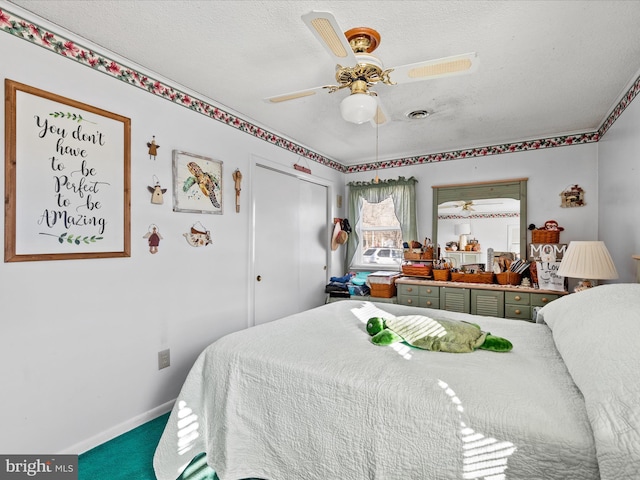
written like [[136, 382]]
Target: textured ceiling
[[546, 68]]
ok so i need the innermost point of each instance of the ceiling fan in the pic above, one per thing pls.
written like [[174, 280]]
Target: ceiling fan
[[358, 70], [468, 206]]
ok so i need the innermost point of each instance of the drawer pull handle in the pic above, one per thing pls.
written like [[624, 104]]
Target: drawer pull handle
[[409, 301], [517, 312], [429, 304], [409, 289], [517, 298], [428, 290], [545, 299]]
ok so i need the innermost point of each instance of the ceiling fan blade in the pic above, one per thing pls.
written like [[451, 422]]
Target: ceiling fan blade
[[326, 29], [294, 95], [441, 67]]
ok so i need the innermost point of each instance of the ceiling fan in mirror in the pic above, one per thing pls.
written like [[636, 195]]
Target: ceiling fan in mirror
[[467, 206], [358, 70]]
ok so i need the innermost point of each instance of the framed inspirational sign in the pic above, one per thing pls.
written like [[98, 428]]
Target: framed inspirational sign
[[67, 178]]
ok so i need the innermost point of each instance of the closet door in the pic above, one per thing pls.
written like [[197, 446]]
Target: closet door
[[314, 244], [290, 244]]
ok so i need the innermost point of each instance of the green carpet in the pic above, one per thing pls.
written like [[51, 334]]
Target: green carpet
[[130, 457]]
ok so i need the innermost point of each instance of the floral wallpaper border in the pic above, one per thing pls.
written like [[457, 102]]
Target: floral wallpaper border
[[26, 30], [454, 216]]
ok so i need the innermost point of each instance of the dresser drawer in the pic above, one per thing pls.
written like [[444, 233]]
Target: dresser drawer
[[404, 289], [520, 312], [428, 291], [541, 299], [422, 290], [408, 300], [517, 298], [419, 301], [429, 302]]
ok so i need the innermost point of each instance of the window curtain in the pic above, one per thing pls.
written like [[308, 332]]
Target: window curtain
[[403, 193]]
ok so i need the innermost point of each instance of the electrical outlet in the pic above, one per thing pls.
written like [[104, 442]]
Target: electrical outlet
[[164, 359]]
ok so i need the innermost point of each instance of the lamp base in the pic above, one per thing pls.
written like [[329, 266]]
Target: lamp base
[[462, 242], [584, 284]]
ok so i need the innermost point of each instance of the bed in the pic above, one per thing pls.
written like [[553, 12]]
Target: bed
[[310, 397]]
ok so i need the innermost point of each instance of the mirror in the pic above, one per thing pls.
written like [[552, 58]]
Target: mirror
[[485, 216]]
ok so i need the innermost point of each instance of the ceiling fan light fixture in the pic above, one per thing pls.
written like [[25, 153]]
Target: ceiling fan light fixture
[[359, 108]]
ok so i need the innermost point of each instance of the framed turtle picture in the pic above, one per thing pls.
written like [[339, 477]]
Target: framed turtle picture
[[197, 183]]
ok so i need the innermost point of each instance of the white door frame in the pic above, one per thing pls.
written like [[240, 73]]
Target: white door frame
[[255, 162]]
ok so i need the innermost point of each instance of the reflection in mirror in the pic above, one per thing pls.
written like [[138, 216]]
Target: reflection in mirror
[[477, 225], [471, 219]]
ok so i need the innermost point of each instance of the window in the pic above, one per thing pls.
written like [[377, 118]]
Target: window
[[379, 227], [382, 215]]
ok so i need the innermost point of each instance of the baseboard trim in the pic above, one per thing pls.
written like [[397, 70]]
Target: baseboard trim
[[119, 429]]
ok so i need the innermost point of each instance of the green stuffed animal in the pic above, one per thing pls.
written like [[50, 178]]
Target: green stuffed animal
[[454, 336]]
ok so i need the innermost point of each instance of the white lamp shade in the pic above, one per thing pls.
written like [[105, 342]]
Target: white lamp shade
[[358, 108], [589, 260], [463, 229]]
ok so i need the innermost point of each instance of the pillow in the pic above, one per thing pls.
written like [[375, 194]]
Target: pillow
[[597, 332]]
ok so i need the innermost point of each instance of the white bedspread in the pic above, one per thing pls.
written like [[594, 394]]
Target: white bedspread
[[597, 332], [310, 397]]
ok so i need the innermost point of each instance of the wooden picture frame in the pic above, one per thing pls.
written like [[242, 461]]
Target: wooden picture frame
[[197, 183], [67, 178]]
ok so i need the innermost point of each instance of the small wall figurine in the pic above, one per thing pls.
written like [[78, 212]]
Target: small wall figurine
[[572, 196], [153, 148], [153, 237], [156, 192], [198, 238], [237, 178]]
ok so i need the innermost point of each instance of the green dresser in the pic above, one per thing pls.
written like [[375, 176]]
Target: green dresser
[[479, 299], [519, 305], [419, 295], [488, 302]]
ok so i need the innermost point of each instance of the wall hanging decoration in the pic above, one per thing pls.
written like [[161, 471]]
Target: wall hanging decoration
[[198, 238], [67, 178], [197, 183], [156, 192], [153, 148], [153, 237], [572, 196], [237, 178]]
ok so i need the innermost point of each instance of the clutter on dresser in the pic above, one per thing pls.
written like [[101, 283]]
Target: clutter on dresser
[[441, 270], [418, 258], [548, 233], [545, 261]]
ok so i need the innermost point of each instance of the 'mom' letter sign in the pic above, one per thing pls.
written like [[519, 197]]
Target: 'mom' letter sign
[[67, 178]]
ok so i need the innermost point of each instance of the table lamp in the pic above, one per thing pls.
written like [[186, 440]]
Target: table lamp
[[462, 229], [590, 261]]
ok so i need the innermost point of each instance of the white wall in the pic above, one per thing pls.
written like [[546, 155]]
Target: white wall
[[619, 184], [550, 171], [79, 339]]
